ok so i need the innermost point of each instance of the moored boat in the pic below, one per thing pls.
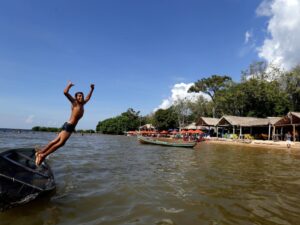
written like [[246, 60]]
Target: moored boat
[[166, 142], [21, 180]]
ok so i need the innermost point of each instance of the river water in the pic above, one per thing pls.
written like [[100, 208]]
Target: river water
[[116, 180]]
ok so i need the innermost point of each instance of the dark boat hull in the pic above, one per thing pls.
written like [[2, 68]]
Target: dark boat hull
[[20, 180]]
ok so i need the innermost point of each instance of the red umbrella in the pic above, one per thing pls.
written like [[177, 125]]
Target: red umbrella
[[153, 132], [164, 132], [144, 132], [198, 131]]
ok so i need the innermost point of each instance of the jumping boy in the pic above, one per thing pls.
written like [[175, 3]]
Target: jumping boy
[[77, 112]]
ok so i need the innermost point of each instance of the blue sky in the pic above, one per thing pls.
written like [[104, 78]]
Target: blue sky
[[134, 51]]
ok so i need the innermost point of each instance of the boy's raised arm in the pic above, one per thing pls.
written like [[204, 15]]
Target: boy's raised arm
[[66, 92], [88, 97]]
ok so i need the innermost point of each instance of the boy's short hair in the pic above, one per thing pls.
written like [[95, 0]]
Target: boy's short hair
[[77, 93]]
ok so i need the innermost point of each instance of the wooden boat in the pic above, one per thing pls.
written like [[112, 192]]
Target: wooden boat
[[166, 142], [21, 180]]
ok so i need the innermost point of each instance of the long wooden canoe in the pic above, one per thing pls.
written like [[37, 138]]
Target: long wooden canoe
[[166, 142]]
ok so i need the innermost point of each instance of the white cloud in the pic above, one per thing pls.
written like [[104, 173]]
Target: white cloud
[[264, 9], [249, 44], [248, 36], [282, 47], [180, 91], [29, 119]]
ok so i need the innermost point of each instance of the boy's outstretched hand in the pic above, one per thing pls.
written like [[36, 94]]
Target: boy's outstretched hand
[[92, 86], [70, 84]]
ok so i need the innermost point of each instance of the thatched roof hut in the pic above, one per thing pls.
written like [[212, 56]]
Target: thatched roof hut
[[238, 122], [242, 121], [207, 121], [191, 126], [274, 120], [265, 125], [147, 127], [290, 119]]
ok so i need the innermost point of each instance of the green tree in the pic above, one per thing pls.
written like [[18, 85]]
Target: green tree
[[164, 119], [183, 111], [212, 86], [129, 120], [261, 70], [201, 107], [256, 70], [291, 84], [232, 100], [254, 97]]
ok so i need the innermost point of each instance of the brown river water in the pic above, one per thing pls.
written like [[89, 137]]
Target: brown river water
[[116, 180]]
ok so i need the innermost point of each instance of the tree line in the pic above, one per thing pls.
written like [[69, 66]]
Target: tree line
[[263, 91], [129, 120]]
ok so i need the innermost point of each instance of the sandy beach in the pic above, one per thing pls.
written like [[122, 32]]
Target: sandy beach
[[295, 146]]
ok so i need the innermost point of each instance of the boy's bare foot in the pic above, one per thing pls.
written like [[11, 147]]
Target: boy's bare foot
[[36, 154], [38, 159]]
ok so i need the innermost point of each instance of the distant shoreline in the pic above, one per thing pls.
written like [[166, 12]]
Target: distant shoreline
[[14, 129]]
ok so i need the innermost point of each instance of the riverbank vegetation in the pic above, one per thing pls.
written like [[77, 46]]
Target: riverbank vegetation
[[129, 120], [46, 129], [263, 91]]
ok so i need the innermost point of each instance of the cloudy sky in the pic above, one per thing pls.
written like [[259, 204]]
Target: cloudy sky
[[140, 54], [281, 45]]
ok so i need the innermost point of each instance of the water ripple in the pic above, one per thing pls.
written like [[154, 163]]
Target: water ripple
[[116, 180]]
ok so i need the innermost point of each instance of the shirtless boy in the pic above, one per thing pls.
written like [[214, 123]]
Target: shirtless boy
[[77, 112]]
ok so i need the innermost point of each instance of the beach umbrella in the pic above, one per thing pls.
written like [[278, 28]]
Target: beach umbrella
[[152, 132], [198, 131], [164, 132]]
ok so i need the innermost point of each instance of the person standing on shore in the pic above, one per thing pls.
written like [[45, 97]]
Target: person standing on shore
[[288, 139], [68, 128]]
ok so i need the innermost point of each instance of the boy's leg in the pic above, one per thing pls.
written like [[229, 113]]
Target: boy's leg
[[54, 141], [51, 143], [64, 136]]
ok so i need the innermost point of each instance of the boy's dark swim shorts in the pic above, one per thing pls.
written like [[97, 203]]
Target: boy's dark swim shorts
[[68, 127]]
